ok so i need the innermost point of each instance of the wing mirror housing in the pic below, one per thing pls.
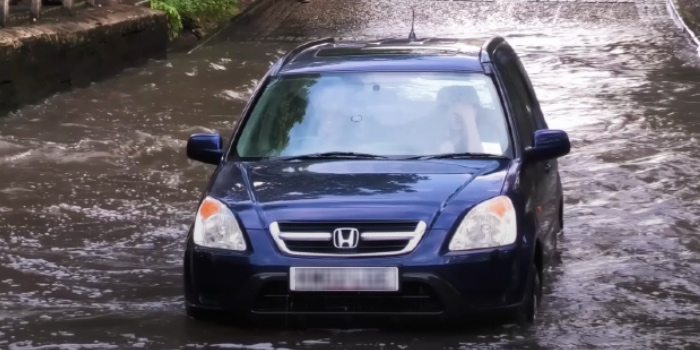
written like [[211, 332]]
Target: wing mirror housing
[[205, 148], [548, 144]]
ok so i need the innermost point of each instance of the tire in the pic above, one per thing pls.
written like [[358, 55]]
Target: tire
[[526, 314]]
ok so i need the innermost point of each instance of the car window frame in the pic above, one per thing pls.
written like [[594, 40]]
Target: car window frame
[[231, 151], [506, 60], [511, 127], [507, 96], [539, 115], [529, 123]]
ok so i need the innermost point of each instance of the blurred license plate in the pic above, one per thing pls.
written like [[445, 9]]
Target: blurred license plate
[[338, 279]]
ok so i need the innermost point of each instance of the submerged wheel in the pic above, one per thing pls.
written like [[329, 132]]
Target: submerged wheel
[[527, 312]]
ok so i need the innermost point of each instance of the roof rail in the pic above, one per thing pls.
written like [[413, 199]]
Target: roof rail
[[488, 48], [297, 50]]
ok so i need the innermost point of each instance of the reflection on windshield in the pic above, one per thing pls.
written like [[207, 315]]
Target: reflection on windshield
[[386, 114]]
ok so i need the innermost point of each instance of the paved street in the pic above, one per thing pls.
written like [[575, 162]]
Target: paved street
[[97, 193], [291, 20]]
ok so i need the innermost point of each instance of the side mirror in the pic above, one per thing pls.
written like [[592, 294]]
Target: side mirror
[[205, 148], [549, 144]]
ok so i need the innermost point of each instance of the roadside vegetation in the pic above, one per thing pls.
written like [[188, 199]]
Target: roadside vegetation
[[196, 16], [690, 10]]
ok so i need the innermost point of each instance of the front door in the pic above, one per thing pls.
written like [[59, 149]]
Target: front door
[[552, 195], [534, 176]]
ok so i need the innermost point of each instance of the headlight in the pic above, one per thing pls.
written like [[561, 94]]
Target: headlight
[[489, 224], [216, 227]]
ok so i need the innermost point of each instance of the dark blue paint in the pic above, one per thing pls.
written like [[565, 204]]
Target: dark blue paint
[[206, 148], [355, 189], [439, 192], [433, 54], [549, 144], [383, 64]]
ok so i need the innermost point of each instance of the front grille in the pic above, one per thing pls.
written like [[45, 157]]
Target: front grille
[[380, 226], [372, 239], [362, 247], [414, 297]]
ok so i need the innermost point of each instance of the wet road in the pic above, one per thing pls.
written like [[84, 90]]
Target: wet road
[[96, 192]]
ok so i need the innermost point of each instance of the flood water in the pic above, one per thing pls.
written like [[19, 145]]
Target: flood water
[[97, 194]]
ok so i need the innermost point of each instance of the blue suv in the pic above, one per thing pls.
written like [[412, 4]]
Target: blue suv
[[378, 180]]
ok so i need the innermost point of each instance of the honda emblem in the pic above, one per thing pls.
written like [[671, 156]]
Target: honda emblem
[[346, 238]]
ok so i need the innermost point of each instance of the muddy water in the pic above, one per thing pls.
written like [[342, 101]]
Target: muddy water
[[96, 193]]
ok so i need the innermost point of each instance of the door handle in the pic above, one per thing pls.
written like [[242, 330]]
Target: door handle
[[547, 167]]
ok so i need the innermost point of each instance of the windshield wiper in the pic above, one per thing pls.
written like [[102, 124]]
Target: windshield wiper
[[333, 155], [460, 155]]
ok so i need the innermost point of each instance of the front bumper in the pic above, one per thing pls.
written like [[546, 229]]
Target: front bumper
[[254, 287]]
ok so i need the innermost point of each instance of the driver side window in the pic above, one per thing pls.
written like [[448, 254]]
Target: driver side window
[[518, 96]]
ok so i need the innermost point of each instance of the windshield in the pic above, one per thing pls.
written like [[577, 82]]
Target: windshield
[[393, 114]]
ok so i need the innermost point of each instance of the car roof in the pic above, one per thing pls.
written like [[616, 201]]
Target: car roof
[[429, 54]]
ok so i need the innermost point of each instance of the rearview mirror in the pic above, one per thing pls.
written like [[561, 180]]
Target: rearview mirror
[[548, 144], [205, 148]]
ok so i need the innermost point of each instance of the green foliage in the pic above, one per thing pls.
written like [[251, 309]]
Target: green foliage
[[192, 14], [174, 19]]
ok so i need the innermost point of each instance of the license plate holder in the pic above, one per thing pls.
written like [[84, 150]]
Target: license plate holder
[[344, 279]]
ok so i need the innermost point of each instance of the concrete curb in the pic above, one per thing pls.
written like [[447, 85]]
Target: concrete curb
[[673, 9]]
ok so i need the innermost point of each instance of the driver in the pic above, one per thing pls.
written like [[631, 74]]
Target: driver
[[459, 107]]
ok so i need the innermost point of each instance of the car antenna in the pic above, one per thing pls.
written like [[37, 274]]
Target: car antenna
[[412, 35]]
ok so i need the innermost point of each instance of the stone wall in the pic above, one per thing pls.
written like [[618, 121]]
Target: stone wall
[[40, 60]]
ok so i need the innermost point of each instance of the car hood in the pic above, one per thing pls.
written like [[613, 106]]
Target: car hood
[[349, 190]]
